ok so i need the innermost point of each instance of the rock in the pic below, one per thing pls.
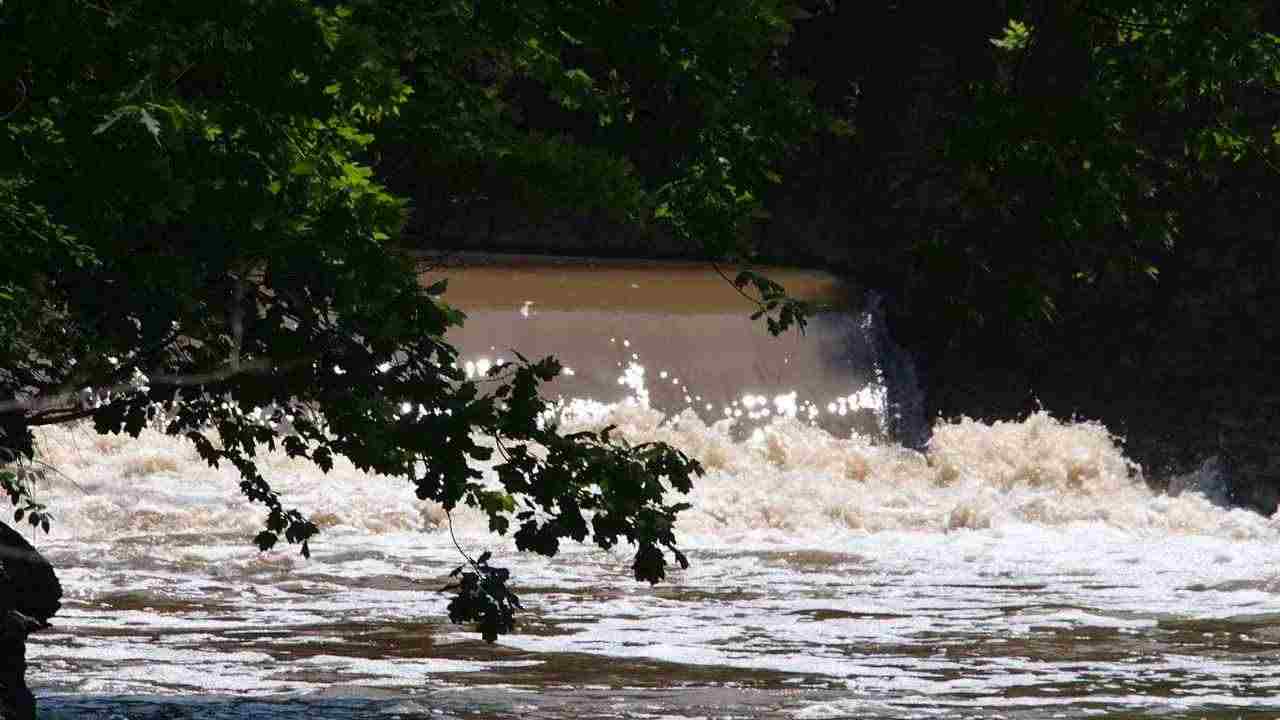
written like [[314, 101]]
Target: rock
[[30, 585], [29, 595]]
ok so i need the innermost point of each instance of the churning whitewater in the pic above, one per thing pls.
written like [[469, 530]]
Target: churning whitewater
[[1016, 567], [787, 482]]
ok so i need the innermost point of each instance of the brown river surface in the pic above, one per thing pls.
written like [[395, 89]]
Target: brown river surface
[[1019, 569]]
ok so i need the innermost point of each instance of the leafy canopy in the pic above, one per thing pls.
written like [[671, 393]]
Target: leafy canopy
[[1022, 160], [197, 232], [1099, 131]]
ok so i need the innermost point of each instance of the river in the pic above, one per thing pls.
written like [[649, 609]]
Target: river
[[1020, 569]]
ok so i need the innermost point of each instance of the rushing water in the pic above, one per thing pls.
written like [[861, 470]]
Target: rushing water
[[1020, 569]]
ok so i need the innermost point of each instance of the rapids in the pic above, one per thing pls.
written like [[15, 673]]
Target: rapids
[[1015, 569]]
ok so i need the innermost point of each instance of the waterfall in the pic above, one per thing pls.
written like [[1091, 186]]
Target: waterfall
[[891, 387]]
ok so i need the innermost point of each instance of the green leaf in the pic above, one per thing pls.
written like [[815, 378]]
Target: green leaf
[[579, 76], [150, 123]]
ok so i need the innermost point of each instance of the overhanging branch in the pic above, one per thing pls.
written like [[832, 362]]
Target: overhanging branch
[[69, 401]]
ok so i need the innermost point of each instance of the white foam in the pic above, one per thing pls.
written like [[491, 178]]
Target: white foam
[[787, 482], [809, 552]]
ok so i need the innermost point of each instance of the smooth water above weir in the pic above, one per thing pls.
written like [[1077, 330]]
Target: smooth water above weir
[[1020, 569], [676, 336]]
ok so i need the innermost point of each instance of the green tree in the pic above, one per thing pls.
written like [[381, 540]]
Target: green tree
[[1026, 153], [195, 228], [1103, 127]]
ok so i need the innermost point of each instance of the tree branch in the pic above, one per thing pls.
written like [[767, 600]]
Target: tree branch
[[66, 400], [716, 266]]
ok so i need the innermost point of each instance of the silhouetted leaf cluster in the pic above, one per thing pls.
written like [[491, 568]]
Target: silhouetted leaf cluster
[[483, 598], [773, 299]]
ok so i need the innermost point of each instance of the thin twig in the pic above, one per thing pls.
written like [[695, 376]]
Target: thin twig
[[479, 573], [449, 516], [740, 291], [61, 474]]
